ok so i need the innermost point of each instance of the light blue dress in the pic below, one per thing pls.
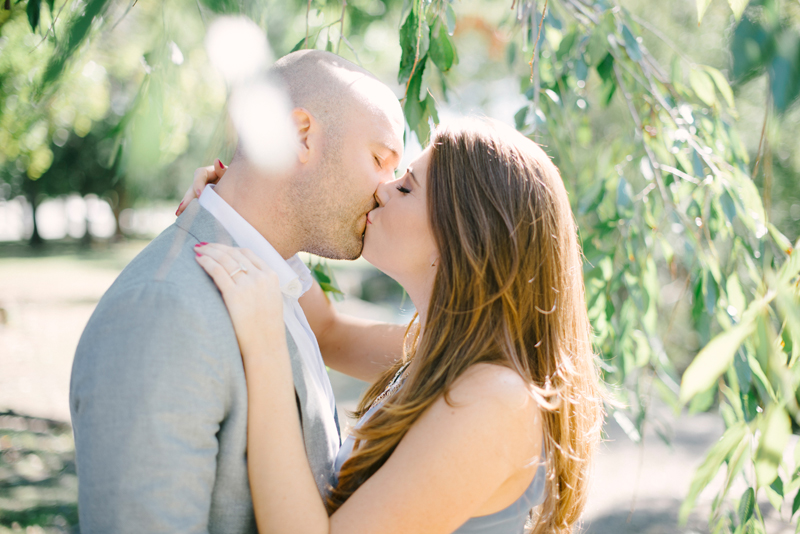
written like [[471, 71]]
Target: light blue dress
[[509, 520]]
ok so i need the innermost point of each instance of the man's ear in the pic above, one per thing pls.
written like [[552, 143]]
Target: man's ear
[[307, 130]]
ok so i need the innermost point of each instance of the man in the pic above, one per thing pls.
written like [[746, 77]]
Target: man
[[158, 394]]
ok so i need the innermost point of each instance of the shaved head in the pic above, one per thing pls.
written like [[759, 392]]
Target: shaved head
[[332, 88], [350, 128]]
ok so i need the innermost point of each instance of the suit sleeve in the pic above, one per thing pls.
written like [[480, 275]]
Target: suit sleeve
[[149, 392]]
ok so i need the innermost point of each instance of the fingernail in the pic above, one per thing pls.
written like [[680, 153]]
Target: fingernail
[[222, 165], [179, 207], [197, 254], [198, 192], [201, 244]]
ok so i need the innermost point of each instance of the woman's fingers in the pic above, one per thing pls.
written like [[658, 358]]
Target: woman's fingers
[[202, 177], [217, 272], [233, 259], [255, 260]]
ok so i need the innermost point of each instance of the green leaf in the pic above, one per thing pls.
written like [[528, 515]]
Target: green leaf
[[735, 295], [703, 86], [781, 240], [775, 493], [747, 505], [34, 10], [702, 5], [710, 466], [796, 503], [412, 33], [722, 84], [785, 71], [441, 51], [713, 360], [775, 432], [627, 426], [631, 45], [738, 7], [300, 44], [75, 33], [450, 15], [752, 47], [624, 193], [728, 205]]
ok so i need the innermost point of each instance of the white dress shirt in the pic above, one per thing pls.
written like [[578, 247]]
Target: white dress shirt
[[294, 277]]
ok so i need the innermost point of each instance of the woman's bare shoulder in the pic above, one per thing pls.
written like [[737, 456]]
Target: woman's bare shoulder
[[496, 386]]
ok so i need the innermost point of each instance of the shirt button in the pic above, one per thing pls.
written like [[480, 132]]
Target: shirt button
[[294, 288]]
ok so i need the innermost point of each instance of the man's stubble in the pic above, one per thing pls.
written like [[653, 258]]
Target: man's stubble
[[327, 208]]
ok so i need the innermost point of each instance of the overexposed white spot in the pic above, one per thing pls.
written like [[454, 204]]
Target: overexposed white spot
[[238, 48], [261, 113]]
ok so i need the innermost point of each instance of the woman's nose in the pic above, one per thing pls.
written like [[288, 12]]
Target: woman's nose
[[383, 192]]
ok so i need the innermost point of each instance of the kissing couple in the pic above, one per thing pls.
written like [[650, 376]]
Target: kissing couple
[[199, 396]]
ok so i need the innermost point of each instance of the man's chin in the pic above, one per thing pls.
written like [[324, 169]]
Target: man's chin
[[351, 251]]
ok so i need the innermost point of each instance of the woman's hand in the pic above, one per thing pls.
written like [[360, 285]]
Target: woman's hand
[[252, 294], [202, 177]]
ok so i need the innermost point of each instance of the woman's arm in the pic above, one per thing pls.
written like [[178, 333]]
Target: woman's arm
[[360, 348], [471, 458]]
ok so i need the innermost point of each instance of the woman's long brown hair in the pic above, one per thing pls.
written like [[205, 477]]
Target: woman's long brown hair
[[509, 291]]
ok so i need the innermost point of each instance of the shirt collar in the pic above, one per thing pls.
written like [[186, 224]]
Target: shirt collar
[[293, 274]]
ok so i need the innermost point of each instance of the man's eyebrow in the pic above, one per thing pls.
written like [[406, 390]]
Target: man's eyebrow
[[388, 147]]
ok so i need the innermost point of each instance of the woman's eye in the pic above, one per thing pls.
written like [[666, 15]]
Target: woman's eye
[[378, 161], [403, 190]]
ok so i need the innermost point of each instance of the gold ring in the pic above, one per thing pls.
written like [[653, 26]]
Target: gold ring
[[240, 269]]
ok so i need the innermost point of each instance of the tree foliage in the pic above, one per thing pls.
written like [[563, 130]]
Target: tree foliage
[[664, 190]]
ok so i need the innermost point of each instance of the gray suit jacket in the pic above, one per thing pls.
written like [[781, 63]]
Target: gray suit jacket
[[159, 400]]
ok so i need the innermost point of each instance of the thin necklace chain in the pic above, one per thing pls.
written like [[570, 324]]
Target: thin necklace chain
[[393, 386]]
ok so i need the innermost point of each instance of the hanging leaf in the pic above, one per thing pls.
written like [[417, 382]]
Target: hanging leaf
[[702, 5], [710, 466], [752, 48], [738, 7], [746, 505], [76, 32], [34, 10], [441, 50], [776, 429], [703, 86], [775, 493], [784, 71], [413, 32], [450, 15], [722, 84], [631, 45], [713, 360]]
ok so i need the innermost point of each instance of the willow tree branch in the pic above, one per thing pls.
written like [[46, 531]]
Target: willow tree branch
[[535, 54], [341, 27], [416, 54], [308, 22]]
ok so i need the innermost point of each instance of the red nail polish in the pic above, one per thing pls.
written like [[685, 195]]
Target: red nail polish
[[202, 243], [197, 254], [222, 165]]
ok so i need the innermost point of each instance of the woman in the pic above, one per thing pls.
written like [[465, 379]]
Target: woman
[[495, 409]]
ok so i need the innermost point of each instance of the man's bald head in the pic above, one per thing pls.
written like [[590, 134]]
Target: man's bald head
[[331, 88], [333, 91]]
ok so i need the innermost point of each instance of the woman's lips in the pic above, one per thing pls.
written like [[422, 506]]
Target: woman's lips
[[368, 219]]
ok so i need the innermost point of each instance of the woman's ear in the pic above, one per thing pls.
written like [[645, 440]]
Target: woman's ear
[[306, 133]]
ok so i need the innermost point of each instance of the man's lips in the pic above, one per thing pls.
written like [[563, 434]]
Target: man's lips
[[368, 217]]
